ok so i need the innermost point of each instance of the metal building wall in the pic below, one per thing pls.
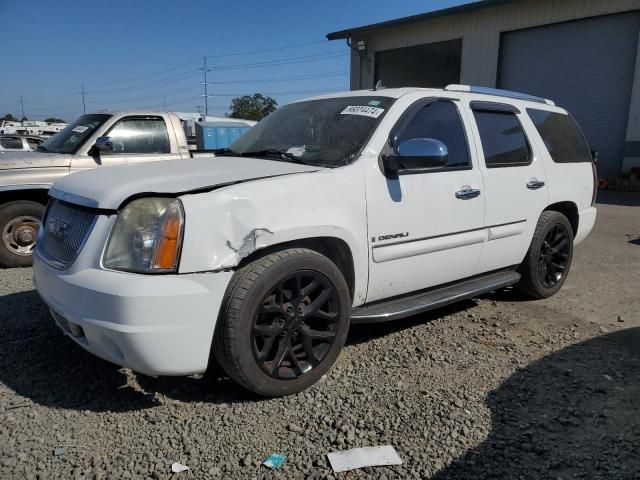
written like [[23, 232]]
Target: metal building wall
[[586, 66]]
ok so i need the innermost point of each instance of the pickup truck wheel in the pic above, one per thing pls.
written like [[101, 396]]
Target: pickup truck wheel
[[19, 223], [546, 266], [284, 320]]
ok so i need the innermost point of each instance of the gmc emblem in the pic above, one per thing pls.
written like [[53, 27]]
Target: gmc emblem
[[56, 227]]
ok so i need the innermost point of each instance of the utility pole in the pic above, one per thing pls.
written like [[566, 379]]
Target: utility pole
[[84, 105], [22, 107], [206, 95]]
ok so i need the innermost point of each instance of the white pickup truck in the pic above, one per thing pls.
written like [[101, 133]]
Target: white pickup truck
[[354, 207], [93, 140]]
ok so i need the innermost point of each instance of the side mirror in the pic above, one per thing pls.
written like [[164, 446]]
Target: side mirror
[[104, 144], [416, 155]]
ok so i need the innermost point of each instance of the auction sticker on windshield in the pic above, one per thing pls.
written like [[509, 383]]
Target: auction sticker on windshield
[[364, 110], [80, 129]]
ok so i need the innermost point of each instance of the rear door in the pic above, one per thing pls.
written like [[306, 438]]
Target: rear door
[[422, 230], [515, 182]]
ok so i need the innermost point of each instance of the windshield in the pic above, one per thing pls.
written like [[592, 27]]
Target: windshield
[[70, 139], [328, 132]]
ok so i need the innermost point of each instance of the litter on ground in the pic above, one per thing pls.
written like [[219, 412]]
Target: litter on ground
[[363, 457]]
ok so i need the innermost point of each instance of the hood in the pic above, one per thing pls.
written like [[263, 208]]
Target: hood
[[16, 160], [108, 187]]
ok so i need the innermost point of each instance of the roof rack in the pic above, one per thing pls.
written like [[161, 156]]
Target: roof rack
[[498, 92]]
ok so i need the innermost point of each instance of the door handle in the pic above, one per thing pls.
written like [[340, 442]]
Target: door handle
[[467, 193], [535, 184]]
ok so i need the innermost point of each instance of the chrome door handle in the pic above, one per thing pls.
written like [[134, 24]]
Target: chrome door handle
[[535, 184], [467, 193]]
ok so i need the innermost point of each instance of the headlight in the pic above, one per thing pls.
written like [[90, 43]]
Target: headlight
[[146, 237]]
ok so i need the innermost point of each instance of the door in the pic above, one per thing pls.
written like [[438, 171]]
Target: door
[[586, 66], [514, 183], [426, 228], [138, 139]]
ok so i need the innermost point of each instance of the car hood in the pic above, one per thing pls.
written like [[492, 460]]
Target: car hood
[[17, 160], [108, 187]]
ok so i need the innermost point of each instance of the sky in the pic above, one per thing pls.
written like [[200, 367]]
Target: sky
[[148, 54]]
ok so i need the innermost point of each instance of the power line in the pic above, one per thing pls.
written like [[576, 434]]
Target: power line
[[148, 74], [288, 61], [267, 49], [281, 79], [173, 79]]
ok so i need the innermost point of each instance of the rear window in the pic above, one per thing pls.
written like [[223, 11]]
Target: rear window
[[561, 135], [503, 140]]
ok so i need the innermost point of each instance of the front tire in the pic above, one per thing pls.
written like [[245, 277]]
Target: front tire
[[547, 263], [283, 322], [19, 223]]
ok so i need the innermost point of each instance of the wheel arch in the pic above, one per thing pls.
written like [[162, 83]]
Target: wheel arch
[[334, 248], [39, 195], [568, 209]]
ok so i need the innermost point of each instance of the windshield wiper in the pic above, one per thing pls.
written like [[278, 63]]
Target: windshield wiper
[[272, 152], [226, 151]]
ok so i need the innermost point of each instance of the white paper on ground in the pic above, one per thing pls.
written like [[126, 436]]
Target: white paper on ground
[[178, 467], [363, 457]]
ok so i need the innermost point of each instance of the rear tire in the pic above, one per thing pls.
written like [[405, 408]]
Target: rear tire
[[283, 322], [547, 263], [19, 223]]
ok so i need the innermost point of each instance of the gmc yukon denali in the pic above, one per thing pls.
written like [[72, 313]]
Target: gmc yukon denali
[[364, 206]]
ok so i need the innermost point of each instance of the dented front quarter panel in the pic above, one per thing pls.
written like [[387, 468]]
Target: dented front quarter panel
[[224, 226]]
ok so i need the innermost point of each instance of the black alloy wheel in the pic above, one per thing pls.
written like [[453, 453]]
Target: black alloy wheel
[[546, 264], [554, 256], [283, 321], [296, 325]]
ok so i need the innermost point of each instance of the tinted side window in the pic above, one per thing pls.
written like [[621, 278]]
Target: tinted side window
[[440, 120], [140, 135], [503, 140], [561, 135], [11, 142]]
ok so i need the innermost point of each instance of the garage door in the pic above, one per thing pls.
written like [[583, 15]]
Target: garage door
[[585, 66]]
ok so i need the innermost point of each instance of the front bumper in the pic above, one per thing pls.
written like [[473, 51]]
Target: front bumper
[[153, 324]]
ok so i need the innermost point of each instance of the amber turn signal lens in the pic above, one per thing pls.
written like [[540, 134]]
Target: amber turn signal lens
[[166, 252]]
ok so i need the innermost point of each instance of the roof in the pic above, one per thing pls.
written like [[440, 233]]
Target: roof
[[467, 7], [451, 91]]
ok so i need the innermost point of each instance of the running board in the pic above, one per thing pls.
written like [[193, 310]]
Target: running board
[[412, 304]]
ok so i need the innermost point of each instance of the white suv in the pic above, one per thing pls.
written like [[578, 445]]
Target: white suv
[[354, 207]]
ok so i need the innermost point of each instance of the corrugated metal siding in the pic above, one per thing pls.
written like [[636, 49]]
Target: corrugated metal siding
[[586, 66], [480, 32]]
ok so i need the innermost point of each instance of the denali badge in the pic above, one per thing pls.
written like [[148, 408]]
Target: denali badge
[[390, 236], [56, 227]]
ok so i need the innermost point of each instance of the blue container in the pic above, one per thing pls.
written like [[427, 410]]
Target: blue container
[[213, 135]]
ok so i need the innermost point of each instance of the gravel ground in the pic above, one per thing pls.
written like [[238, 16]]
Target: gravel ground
[[491, 388]]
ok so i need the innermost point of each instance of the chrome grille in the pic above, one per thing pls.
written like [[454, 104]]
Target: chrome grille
[[64, 231]]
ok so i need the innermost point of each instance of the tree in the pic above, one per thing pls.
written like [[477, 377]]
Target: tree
[[254, 107], [9, 118], [54, 120]]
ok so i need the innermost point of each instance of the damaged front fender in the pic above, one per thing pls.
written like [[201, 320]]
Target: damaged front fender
[[225, 226]]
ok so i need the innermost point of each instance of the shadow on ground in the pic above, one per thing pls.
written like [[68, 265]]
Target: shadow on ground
[[39, 363], [573, 414]]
